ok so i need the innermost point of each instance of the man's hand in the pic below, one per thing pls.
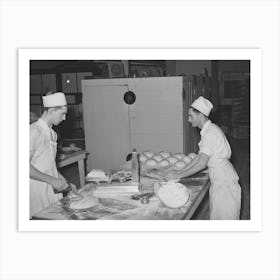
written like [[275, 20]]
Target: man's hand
[[59, 184], [172, 176], [156, 174]]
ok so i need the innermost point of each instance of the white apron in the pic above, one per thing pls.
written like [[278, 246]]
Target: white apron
[[43, 158], [225, 192]]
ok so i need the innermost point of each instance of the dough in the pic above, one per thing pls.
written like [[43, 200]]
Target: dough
[[172, 160], [164, 163], [172, 195], [88, 189], [179, 165], [143, 158], [157, 158], [165, 154], [179, 156], [192, 155], [151, 163], [83, 202], [148, 154], [187, 160]]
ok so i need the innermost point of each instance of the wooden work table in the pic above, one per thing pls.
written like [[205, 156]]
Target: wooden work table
[[125, 208], [75, 156]]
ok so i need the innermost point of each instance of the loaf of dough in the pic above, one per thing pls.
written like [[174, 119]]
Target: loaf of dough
[[187, 160], [165, 154], [171, 194], [179, 156], [143, 158], [164, 163], [151, 163], [192, 155], [157, 158], [148, 154], [172, 160]]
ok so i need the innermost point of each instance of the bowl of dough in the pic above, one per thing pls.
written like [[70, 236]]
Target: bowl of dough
[[171, 194]]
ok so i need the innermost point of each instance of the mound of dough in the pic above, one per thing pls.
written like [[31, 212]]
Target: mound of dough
[[143, 158], [187, 159], [165, 154], [148, 154], [164, 163], [83, 202], [179, 156], [157, 158], [172, 160], [173, 195], [151, 163], [192, 155]]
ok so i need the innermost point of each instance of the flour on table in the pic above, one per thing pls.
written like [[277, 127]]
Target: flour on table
[[83, 202]]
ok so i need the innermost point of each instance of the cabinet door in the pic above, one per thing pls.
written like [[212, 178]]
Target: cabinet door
[[157, 115], [106, 125]]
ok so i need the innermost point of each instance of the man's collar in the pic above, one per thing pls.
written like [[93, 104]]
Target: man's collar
[[43, 123], [205, 127]]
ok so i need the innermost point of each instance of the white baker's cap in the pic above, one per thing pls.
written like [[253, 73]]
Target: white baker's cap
[[55, 99], [203, 105]]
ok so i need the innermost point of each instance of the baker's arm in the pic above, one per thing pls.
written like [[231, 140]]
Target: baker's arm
[[60, 175], [57, 183], [199, 163], [73, 186]]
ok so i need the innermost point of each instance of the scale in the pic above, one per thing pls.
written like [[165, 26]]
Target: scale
[[129, 98]]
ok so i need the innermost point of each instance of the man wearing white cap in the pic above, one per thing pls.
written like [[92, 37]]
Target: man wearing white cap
[[45, 180], [214, 153]]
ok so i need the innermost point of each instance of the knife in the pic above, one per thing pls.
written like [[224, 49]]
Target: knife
[[65, 191]]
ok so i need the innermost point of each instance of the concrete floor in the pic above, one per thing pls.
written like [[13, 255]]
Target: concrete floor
[[240, 160]]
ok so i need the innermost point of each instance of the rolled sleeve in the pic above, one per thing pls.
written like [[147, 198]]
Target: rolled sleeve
[[207, 144]]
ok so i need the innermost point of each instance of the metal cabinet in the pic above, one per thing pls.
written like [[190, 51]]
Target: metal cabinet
[[156, 121]]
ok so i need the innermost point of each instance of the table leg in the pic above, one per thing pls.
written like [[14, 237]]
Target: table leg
[[81, 172]]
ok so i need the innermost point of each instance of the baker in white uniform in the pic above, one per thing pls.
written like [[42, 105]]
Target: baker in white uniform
[[45, 180], [214, 153]]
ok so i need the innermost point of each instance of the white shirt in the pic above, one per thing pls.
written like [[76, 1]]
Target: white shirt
[[214, 144], [42, 151]]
